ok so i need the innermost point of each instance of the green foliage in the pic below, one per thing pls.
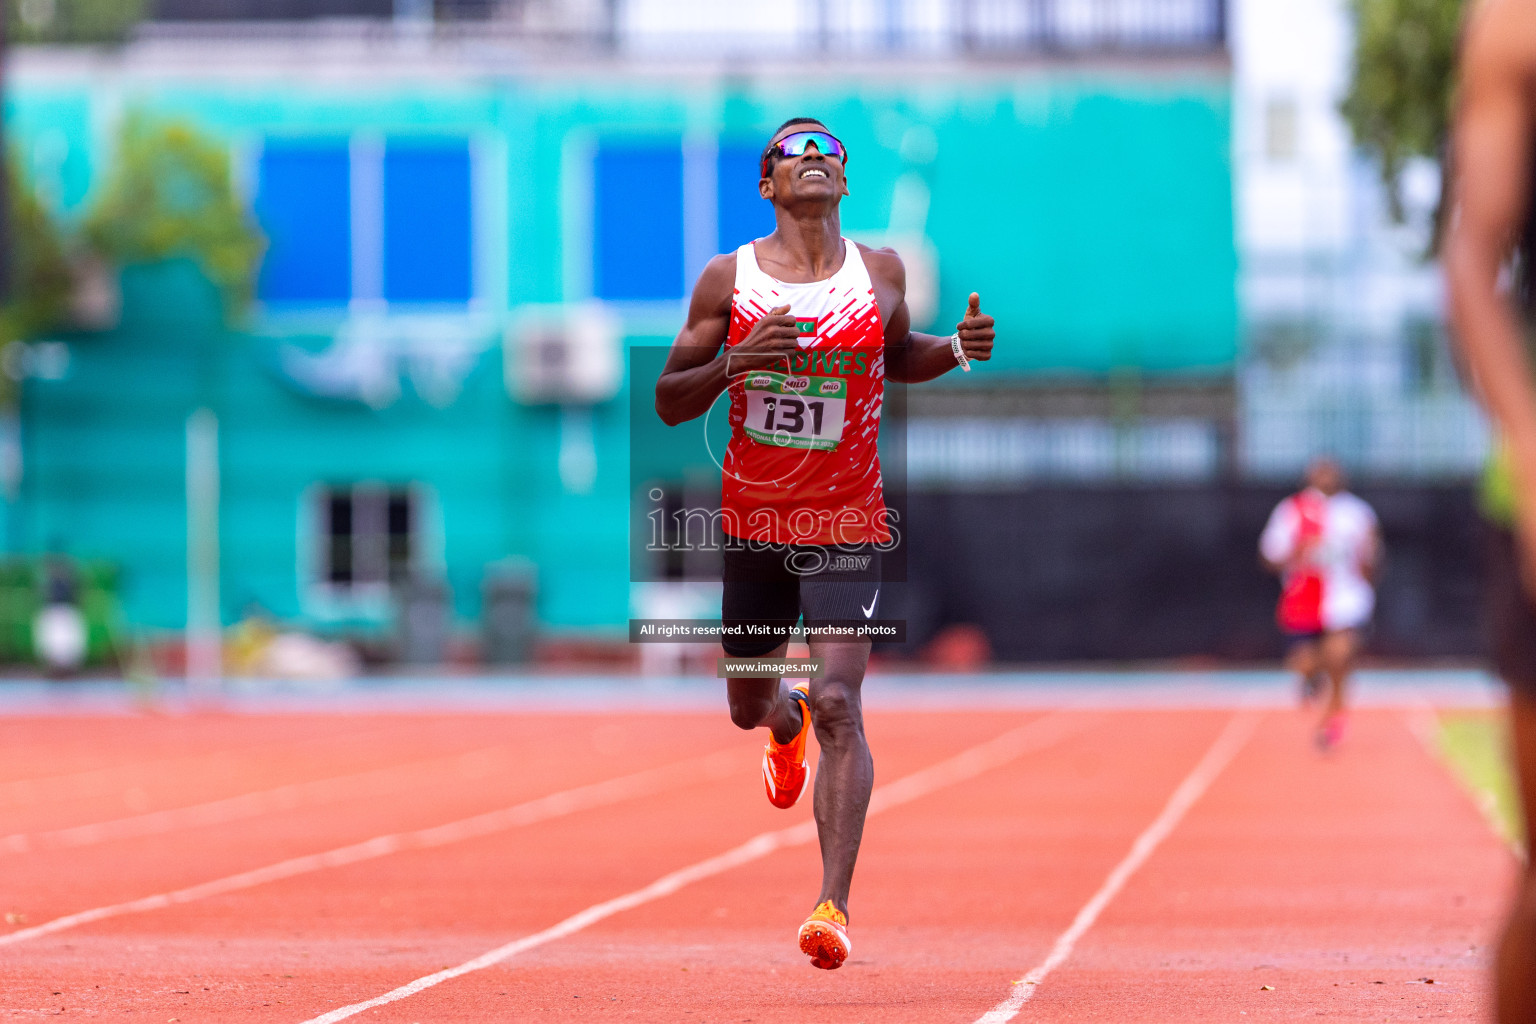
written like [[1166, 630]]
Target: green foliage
[[41, 279], [1399, 100], [170, 194], [71, 21], [23, 592]]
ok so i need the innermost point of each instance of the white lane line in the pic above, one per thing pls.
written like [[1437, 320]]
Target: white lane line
[[471, 764], [555, 805], [1423, 723], [1237, 732], [1032, 736]]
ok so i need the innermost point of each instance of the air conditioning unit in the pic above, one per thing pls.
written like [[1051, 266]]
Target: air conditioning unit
[[566, 354]]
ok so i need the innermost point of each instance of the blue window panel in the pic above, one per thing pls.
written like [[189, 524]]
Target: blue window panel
[[637, 221], [304, 205], [428, 227], [744, 215]]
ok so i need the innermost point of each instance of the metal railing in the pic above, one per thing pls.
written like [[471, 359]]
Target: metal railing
[[1065, 26], [744, 27]]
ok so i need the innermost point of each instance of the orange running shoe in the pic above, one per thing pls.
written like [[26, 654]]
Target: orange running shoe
[[824, 937], [784, 771]]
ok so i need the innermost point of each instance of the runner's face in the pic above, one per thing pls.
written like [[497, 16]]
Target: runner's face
[[811, 175], [1326, 476]]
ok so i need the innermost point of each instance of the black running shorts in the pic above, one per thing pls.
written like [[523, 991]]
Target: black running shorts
[[1511, 613], [772, 586]]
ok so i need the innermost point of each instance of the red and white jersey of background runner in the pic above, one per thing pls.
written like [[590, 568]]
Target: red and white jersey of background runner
[[1325, 590], [796, 495]]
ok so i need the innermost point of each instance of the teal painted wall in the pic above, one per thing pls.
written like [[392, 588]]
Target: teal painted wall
[[1092, 212]]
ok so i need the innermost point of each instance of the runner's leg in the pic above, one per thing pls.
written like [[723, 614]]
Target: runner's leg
[[1338, 657], [1306, 662], [1303, 658], [764, 702], [845, 772], [759, 591], [1515, 976], [1512, 614]]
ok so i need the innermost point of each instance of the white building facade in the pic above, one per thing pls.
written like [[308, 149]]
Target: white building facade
[[1344, 346]]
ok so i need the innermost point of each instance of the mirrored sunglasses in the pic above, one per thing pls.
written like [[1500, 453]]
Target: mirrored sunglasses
[[795, 143]]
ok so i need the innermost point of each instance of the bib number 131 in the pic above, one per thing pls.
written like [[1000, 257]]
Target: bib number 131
[[791, 414]]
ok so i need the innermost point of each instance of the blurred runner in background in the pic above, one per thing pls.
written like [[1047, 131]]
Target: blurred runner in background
[[1493, 220], [1325, 544]]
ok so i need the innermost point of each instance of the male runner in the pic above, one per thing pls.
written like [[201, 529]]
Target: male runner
[[811, 324], [1494, 217], [1325, 544]]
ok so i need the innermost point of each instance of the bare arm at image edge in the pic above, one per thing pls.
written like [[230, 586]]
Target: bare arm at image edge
[[1492, 174]]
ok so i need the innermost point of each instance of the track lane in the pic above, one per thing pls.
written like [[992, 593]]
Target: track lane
[[1032, 737], [42, 750], [236, 756], [466, 767], [950, 889], [953, 901], [1339, 881], [557, 752], [443, 902]]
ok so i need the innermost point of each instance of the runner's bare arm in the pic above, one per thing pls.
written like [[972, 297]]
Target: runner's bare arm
[[1491, 161], [694, 374], [1276, 547], [911, 356], [1371, 555]]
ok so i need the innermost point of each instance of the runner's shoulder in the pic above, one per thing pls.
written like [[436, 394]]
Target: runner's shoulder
[[717, 282], [1356, 506], [720, 269], [884, 263]]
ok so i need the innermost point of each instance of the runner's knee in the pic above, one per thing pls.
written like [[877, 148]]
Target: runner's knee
[[751, 700], [1337, 657], [835, 711], [749, 712]]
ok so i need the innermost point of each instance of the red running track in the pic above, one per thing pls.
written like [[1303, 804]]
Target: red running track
[[1294, 885]]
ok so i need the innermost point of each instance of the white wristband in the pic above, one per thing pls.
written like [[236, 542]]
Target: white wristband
[[955, 347]]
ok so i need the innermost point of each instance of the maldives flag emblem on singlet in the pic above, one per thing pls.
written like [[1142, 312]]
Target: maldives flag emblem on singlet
[[803, 466]]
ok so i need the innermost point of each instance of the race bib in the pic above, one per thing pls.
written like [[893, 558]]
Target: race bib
[[795, 410]]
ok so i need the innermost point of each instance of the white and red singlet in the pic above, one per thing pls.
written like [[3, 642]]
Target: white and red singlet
[[803, 466], [1325, 543]]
